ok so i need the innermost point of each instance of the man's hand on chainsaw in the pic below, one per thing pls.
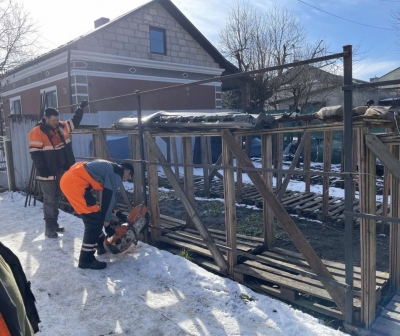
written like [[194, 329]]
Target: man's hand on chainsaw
[[109, 230], [121, 216]]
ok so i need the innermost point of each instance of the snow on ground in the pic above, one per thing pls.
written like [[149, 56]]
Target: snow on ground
[[293, 185], [145, 292]]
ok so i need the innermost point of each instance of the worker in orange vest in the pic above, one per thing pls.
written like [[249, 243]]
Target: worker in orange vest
[[77, 185], [51, 151]]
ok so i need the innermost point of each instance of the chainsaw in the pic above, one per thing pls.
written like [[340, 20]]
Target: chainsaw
[[128, 233]]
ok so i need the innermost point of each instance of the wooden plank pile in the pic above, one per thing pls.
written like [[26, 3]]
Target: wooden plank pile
[[280, 273], [301, 203], [287, 276]]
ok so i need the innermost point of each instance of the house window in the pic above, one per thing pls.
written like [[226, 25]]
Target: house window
[[50, 99], [157, 41], [15, 105]]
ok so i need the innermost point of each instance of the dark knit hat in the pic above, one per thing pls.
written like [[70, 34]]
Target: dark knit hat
[[51, 111], [127, 166]]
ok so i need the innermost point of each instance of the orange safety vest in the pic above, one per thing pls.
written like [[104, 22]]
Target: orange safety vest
[[51, 149], [76, 184], [3, 327]]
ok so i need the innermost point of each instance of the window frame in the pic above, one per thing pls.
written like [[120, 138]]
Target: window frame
[[164, 40], [12, 100], [49, 90]]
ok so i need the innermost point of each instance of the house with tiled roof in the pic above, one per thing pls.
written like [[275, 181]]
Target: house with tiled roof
[[150, 47]]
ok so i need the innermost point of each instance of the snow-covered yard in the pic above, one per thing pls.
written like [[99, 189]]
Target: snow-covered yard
[[293, 185], [145, 292]]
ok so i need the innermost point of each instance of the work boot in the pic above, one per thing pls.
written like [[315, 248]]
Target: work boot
[[50, 230], [87, 260], [58, 228], [95, 264]]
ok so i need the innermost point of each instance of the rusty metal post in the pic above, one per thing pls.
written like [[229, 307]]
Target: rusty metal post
[[348, 181], [141, 142]]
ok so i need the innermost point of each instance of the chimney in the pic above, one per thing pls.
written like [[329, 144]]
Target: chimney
[[100, 22]]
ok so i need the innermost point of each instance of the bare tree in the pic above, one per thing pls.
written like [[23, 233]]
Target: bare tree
[[17, 35], [254, 39], [237, 36], [395, 22], [310, 81]]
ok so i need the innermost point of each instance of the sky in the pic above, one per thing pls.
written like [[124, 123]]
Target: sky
[[378, 46], [145, 291]]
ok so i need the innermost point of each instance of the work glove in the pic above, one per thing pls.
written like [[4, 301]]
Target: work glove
[[109, 230], [121, 216], [84, 103]]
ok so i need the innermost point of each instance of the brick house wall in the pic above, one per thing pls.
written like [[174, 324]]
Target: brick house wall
[[115, 60], [200, 97], [130, 37]]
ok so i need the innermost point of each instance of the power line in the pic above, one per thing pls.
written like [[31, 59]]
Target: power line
[[222, 78], [374, 59], [359, 23]]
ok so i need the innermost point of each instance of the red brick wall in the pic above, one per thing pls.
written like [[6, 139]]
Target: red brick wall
[[30, 99], [198, 97]]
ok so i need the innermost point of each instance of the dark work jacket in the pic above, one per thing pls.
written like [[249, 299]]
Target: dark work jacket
[[7, 307], [51, 150]]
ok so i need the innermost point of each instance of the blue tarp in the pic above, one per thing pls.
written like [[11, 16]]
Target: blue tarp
[[118, 146], [255, 149]]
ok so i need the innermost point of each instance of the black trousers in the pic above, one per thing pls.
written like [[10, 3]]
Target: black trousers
[[92, 236]]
